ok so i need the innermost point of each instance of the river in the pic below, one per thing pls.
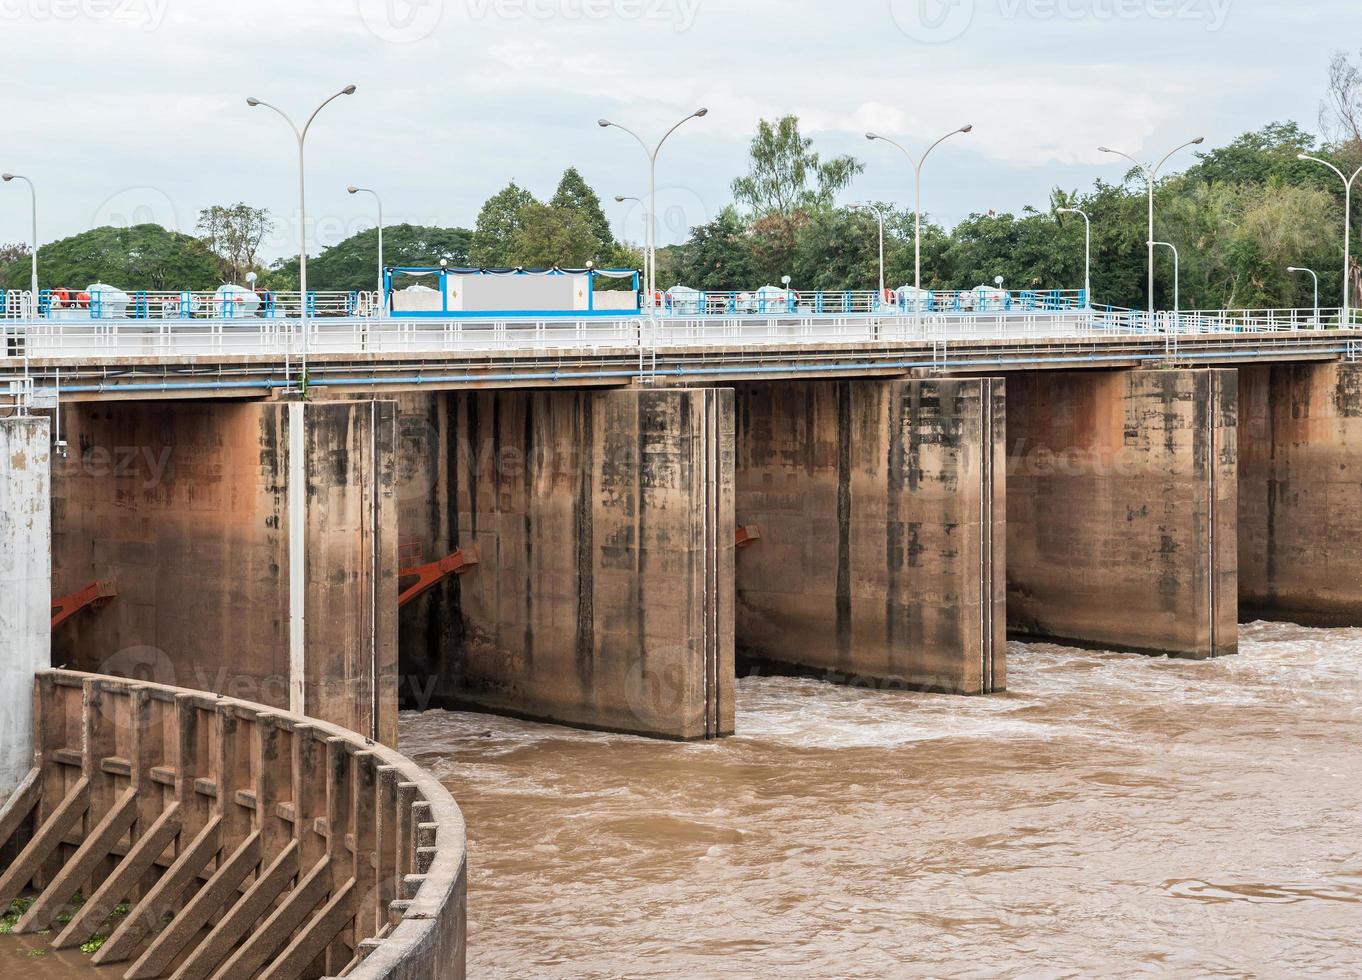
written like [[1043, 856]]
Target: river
[[1112, 815]]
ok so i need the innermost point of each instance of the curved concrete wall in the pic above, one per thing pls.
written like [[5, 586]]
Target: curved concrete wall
[[243, 841]]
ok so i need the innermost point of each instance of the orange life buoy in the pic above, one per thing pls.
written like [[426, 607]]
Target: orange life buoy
[[83, 300], [60, 297]]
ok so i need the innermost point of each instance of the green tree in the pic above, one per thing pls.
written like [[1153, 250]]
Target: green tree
[[786, 175], [143, 257], [495, 235], [548, 236], [233, 233], [574, 194], [353, 263], [717, 256]]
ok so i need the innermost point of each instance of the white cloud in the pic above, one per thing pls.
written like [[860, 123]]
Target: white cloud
[[456, 98]]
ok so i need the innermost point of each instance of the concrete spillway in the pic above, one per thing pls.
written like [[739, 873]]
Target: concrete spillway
[[896, 528]]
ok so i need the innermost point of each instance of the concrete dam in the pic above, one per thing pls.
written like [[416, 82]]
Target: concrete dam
[[625, 537], [601, 534]]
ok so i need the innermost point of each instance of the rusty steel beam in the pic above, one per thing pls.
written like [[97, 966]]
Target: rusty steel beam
[[94, 596], [431, 575]]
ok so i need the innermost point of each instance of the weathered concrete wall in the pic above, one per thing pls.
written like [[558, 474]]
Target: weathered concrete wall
[[604, 522], [192, 509], [1300, 493], [881, 507], [25, 587], [1122, 495]]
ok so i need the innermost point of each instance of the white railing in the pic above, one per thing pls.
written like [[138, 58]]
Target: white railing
[[283, 338], [70, 305]]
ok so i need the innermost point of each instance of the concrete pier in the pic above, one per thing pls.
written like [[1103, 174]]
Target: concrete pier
[[604, 528], [1122, 496], [252, 546], [881, 511], [25, 587], [1300, 493]]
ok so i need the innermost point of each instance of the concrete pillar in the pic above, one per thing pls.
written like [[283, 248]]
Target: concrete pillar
[[1122, 495], [252, 546], [25, 587], [1300, 493], [605, 530], [881, 510]]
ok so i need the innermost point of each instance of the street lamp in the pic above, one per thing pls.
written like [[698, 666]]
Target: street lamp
[[620, 199], [381, 267], [1151, 175], [1087, 251], [33, 197], [917, 171], [1177, 280], [1315, 276], [1347, 232], [302, 202], [652, 191], [879, 214]]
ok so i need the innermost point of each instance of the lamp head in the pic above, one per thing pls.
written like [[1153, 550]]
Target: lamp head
[[1302, 156], [967, 129], [6, 177], [1198, 141], [348, 90], [701, 113], [353, 190], [252, 102], [604, 123], [1105, 149], [1292, 268], [871, 136], [619, 198]]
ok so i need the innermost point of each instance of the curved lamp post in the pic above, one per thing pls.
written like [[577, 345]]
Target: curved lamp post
[[33, 199], [620, 199], [1315, 276], [652, 191], [879, 215], [1087, 251], [917, 173], [1151, 175], [365, 190], [1347, 232], [1177, 281], [302, 202]]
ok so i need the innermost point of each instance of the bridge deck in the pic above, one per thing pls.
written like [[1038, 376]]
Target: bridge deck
[[238, 359]]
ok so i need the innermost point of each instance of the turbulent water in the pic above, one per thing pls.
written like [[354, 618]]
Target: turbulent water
[[1113, 815]]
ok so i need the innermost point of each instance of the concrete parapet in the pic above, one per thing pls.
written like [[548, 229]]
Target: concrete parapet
[[1122, 495], [1300, 493], [604, 527], [252, 545], [881, 510], [25, 587]]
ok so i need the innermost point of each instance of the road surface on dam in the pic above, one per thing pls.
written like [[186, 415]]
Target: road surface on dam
[[1193, 818]]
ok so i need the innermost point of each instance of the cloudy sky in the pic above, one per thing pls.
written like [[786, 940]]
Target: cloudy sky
[[128, 110]]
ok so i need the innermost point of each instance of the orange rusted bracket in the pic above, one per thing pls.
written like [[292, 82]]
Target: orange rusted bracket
[[92, 596], [747, 534], [429, 576]]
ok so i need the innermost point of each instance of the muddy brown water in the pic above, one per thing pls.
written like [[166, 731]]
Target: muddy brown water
[[1112, 816]]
